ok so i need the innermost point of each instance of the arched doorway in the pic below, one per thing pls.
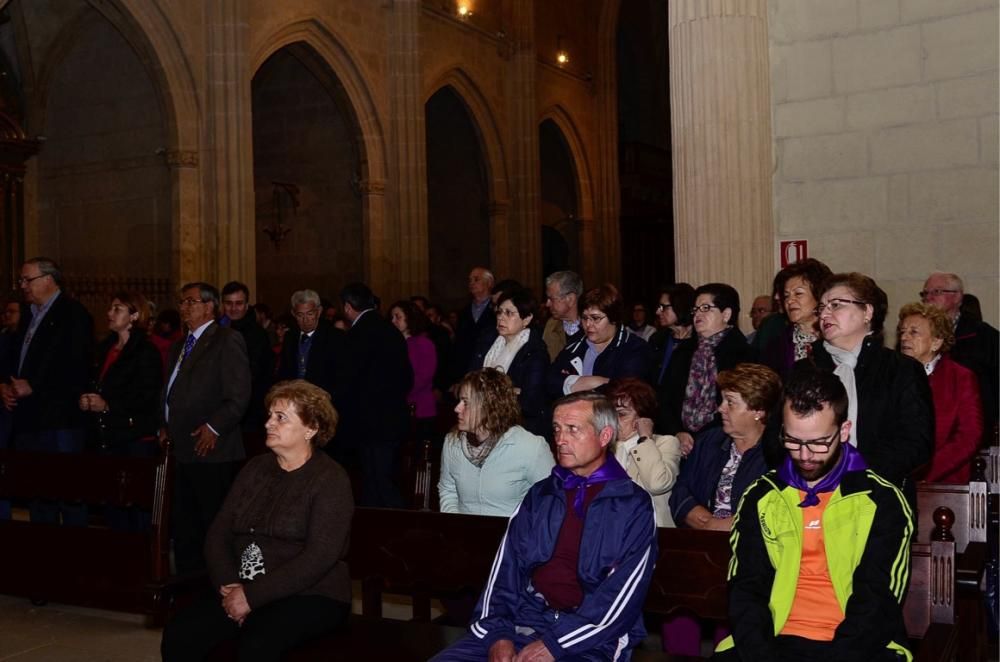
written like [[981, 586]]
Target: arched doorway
[[560, 213], [457, 197], [104, 205], [307, 181], [644, 149]]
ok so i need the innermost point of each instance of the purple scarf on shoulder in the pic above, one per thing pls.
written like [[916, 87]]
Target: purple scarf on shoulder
[[610, 470], [850, 460]]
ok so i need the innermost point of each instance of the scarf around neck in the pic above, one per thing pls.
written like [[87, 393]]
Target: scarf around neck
[[845, 361], [502, 353], [568, 480], [699, 395], [850, 460]]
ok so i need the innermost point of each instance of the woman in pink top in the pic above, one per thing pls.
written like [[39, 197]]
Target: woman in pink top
[[423, 358]]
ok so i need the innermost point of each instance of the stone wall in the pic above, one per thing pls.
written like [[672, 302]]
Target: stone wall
[[885, 138]]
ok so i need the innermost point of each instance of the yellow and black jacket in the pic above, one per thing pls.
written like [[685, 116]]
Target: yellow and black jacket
[[867, 527]]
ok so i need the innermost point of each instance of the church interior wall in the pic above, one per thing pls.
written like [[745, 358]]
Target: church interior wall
[[885, 139]]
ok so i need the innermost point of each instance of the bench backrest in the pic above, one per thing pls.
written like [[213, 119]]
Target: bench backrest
[[967, 501]]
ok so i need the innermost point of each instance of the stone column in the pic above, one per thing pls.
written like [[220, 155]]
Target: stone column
[[721, 128], [378, 265], [524, 237], [408, 156], [228, 244], [600, 237]]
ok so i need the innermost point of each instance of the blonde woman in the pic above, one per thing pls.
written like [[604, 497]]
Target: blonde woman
[[489, 461]]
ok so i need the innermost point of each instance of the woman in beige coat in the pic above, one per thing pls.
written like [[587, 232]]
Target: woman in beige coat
[[652, 461]]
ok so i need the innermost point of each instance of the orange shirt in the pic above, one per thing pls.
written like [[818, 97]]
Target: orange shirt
[[815, 611]]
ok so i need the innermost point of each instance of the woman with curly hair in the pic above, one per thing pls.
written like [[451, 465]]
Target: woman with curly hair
[[489, 461], [798, 287], [926, 334]]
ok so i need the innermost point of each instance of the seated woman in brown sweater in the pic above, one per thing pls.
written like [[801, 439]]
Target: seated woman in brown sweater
[[276, 550]]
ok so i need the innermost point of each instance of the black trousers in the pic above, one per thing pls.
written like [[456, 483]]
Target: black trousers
[[378, 464], [266, 634], [199, 490]]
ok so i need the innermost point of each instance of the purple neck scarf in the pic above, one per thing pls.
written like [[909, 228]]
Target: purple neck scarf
[[850, 460], [610, 470]]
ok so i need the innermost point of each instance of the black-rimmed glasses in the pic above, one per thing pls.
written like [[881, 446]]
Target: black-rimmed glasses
[[935, 293], [821, 445], [704, 308]]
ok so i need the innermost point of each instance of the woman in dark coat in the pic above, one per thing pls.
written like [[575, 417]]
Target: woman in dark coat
[[889, 399], [520, 352], [798, 287], [688, 402], [125, 400], [607, 351]]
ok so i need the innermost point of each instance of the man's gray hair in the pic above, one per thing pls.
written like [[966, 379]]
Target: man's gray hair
[[47, 267], [956, 281], [603, 415], [569, 282], [306, 296], [487, 274]]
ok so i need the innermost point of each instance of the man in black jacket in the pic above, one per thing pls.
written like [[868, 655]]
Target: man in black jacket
[[316, 352], [374, 415], [48, 366], [239, 317], [977, 344]]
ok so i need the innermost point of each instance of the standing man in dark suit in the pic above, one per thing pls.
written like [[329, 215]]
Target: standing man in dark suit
[[472, 321], [204, 401], [240, 317], [316, 352], [48, 368], [375, 416]]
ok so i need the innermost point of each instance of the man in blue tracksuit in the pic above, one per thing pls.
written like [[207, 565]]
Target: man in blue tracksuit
[[571, 574]]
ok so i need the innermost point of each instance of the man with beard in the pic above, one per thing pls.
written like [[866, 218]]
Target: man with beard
[[821, 545]]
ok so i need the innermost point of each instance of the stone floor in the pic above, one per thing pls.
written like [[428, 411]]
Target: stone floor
[[60, 633], [63, 633]]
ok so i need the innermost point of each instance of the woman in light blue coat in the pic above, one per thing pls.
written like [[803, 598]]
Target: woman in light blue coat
[[489, 461]]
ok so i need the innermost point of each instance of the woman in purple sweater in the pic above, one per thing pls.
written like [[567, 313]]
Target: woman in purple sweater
[[276, 551], [423, 359]]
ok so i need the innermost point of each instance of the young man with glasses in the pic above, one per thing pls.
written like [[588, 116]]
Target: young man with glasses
[[821, 546]]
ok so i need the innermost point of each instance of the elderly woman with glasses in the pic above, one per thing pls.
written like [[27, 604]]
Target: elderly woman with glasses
[[607, 351], [926, 334], [520, 352], [690, 400], [889, 399]]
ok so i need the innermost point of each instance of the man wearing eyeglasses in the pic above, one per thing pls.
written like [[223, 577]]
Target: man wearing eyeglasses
[[205, 398], [821, 545], [46, 369], [563, 289], [977, 344]]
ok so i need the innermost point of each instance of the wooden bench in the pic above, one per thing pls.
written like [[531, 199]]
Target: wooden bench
[[427, 555], [92, 566]]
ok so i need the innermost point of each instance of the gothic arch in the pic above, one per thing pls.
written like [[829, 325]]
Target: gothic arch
[[585, 202], [344, 65], [485, 123]]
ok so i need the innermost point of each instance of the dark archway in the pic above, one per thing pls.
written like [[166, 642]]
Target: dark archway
[[104, 202], [559, 201], [457, 197], [306, 178], [644, 149]]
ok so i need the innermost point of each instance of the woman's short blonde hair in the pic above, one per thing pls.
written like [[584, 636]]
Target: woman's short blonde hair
[[758, 385], [312, 405], [941, 327], [492, 402]]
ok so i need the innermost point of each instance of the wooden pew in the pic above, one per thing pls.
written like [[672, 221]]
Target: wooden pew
[[929, 608], [91, 566], [427, 555]]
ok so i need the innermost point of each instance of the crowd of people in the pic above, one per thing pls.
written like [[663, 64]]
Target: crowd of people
[[564, 408]]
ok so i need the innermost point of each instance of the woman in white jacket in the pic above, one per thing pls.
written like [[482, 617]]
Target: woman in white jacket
[[489, 461], [652, 461]]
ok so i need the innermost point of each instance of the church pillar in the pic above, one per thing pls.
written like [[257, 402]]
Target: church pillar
[[721, 128], [408, 158], [600, 237], [228, 242], [524, 237], [378, 265]]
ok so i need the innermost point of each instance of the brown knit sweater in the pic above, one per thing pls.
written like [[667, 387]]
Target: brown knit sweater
[[300, 522]]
